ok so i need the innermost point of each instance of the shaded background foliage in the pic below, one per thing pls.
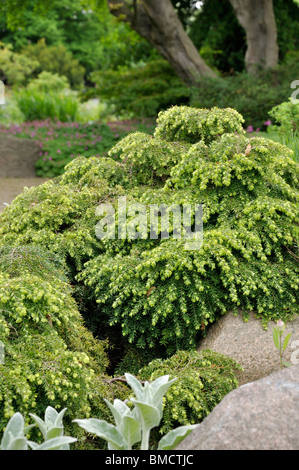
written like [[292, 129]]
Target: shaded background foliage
[[106, 59]]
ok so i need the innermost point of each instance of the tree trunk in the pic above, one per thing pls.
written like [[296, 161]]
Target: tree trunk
[[158, 23], [258, 20]]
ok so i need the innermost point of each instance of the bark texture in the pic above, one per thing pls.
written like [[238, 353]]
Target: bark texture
[[258, 20], [158, 23]]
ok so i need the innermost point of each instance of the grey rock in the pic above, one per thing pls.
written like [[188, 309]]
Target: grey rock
[[11, 187], [251, 345], [261, 415], [17, 157]]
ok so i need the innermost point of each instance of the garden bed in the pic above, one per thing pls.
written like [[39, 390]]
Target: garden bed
[[59, 143]]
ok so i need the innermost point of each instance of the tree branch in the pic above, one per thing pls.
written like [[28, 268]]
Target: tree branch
[[158, 23], [121, 10]]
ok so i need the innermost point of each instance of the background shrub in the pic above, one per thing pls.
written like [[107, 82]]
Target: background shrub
[[48, 82], [10, 112], [15, 69], [57, 60], [253, 97], [141, 91], [147, 89]]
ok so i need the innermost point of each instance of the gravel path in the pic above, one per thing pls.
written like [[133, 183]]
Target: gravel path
[[11, 187]]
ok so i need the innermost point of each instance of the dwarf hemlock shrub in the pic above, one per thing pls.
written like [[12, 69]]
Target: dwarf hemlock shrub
[[148, 159], [60, 214], [203, 379], [50, 357], [157, 293], [186, 124], [162, 294]]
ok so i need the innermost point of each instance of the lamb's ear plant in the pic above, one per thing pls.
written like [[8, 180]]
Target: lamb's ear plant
[[52, 430], [281, 346], [133, 426], [14, 437]]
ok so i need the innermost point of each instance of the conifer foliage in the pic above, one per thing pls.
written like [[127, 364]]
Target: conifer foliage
[[161, 293], [158, 293]]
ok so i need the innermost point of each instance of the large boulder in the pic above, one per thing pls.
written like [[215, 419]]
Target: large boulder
[[17, 157], [251, 345], [261, 415]]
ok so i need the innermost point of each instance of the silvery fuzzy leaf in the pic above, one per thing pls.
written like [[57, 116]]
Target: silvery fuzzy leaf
[[106, 431], [174, 437], [14, 429], [149, 415]]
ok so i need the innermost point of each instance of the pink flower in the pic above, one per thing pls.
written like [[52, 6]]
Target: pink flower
[[280, 326], [267, 123], [249, 129], [58, 151]]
